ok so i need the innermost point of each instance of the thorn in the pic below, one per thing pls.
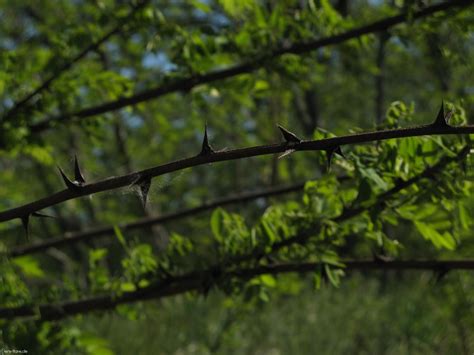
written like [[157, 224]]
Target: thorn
[[79, 178], [206, 147], [380, 258], [41, 215], [330, 152], [144, 185], [286, 152], [442, 118], [288, 136], [339, 152], [69, 184], [441, 274], [25, 221]]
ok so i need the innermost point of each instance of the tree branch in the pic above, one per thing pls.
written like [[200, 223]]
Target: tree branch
[[75, 237], [193, 281], [68, 65], [297, 48], [348, 213], [133, 178]]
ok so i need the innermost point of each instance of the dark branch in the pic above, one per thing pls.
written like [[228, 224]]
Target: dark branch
[[75, 237], [193, 282], [298, 48], [71, 238], [18, 106], [323, 144]]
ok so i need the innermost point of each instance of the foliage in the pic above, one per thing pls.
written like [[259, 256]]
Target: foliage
[[407, 198]]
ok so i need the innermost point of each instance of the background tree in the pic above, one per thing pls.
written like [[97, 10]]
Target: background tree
[[200, 171]]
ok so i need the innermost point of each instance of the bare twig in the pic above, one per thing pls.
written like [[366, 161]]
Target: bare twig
[[247, 67]]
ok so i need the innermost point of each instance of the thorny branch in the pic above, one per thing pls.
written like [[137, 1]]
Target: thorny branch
[[439, 127], [75, 237], [188, 83], [194, 280]]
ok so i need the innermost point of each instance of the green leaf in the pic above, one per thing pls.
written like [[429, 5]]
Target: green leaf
[[333, 275], [94, 345], [372, 175], [201, 6], [269, 231], [97, 254], [331, 258], [431, 234], [217, 218], [463, 216], [127, 287], [236, 7], [427, 211], [120, 237], [29, 266], [268, 280]]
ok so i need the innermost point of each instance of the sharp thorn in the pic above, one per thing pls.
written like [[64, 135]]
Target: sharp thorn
[[144, 186], [339, 152], [286, 152], [288, 136], [440, 274], [330, 152], [41, 215], [442, 118], [206, 147], [69, 183], [79, 178]]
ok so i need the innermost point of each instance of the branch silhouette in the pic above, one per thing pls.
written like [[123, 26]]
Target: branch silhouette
[[22, 103], [193, 281], [76, 237], [199, 280], [329, 144], [188, 83]]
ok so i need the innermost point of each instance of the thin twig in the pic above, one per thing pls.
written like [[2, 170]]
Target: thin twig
[[188, 83], [193, 282], [348, 213], [69, 64], [75, 237]]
